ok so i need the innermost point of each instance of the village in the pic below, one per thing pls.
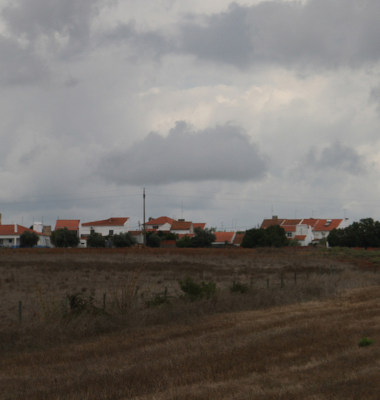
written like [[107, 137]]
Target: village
[[304, 232]]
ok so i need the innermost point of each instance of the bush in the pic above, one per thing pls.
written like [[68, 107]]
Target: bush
[[184, 242], [153, 240], [273, 236], [28, 239], [195, 291], [96, 240], [239, 287], [123, 240], [64, 238], [364, 342], [202, 238]]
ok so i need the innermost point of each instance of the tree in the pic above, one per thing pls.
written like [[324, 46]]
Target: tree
[[202, 238], [273, 236], [365, 233], [123, 240], [28, 239], [153, 240], [184, 242], [95, 239], [64, 238]]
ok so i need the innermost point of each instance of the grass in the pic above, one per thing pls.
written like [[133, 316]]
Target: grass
[[295, 342]]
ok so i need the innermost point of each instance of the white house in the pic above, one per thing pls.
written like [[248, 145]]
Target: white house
[[159, 224], [110, 226], [182, 227], [10, 236]]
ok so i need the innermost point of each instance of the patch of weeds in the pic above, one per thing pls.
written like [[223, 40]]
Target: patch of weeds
[[195, 291], [238, 287], [81, 303], [157, 300], [364, 342]]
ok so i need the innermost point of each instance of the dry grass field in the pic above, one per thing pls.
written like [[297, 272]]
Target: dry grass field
[[293, 334]]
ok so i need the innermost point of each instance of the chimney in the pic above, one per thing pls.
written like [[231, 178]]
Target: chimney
[[15, 228], [275, 217]]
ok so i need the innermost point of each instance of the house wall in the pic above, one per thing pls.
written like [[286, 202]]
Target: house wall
[[162, 227], [14, 240], [104, 230]]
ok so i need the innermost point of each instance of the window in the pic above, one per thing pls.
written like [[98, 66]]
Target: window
[[155, 226], [10, 240], [1, 241], [289, 234], [110, 232]]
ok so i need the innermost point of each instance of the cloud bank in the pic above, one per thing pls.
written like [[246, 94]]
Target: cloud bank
[[221, 153]]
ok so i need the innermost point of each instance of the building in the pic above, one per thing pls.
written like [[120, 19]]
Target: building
[[110, 226], [223, 238], [10, 236], [159, 224], [69, 224], [307, 230], [181, 227]]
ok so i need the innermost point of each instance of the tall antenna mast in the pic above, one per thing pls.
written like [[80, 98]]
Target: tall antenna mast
[[144, 216]]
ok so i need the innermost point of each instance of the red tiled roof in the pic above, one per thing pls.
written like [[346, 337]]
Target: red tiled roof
[[310, 221], [289, 228], [269, 222], [70, 224], [108, 222], [300, 237], [160, 221], [199, 225], [238, 238], [324, 225], [10, 230], [222, 237], [181, 225], [291, 222]]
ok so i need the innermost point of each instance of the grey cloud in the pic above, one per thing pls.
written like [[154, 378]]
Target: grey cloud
[[221, 153], [321, 33], [47, 18], [20, 66], [336, 157]]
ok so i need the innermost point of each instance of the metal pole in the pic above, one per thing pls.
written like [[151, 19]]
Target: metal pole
[[144, 217]]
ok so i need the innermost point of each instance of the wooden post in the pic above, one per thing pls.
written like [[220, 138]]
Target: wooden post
[[267, 283], [104, 301], [19, 310], [295, 276], [166, 292]]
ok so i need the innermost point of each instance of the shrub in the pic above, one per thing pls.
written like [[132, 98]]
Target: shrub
[[64, 238], [123, 240], [96, 240], [28, 239], [195, 291], [366, 342], [153, 240], [184, 242], [239, 287]]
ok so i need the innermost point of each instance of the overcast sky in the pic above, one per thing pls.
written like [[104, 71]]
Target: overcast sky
[[226, 113]]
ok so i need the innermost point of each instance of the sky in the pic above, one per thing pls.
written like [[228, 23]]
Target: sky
[[225, 112]]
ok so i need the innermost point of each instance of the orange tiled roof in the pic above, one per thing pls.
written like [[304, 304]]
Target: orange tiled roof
[[289, 228], [10, 230], [181, 225], [160, 221], [199, 225], [222, 237], [108, 222], [238, 238], [70, 224], [291, 222], [300, 237], [324, 225], [269, 222]]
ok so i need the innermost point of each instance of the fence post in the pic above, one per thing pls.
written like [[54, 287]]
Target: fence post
[[104, 301], [19, 310], [267, 283], [166, 292], [282, 280], [251, 282], [295, 276]]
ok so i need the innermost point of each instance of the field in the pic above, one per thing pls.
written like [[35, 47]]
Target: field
[[290, 330]]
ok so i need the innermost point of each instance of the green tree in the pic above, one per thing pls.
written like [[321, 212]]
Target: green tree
[[28, 239], [184, 242], [273, 236], [123, 240], [153, 240], [64, 238], [202, 238], [96, 240]]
